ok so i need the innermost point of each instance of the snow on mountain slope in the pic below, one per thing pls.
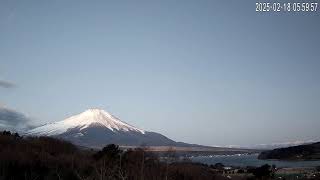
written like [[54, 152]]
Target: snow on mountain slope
[[91, 117]]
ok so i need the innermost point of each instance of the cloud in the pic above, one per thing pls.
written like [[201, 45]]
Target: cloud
[[13, 120], [7, 84]]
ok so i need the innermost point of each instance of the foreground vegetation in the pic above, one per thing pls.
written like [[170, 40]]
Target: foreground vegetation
[[37, 158]]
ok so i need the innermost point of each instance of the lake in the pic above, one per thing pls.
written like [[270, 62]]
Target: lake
[[250, 160]]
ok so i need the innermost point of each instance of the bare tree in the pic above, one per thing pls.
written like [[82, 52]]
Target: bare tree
[[143, 148], [170, 156], [58, 173], [122, 174]]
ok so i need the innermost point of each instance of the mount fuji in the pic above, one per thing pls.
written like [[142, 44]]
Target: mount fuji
[[96, 128]]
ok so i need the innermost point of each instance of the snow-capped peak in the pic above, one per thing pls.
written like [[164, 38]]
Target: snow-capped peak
[[83, 120]]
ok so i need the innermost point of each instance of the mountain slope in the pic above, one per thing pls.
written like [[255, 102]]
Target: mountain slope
[[96, 128], [301, 152]]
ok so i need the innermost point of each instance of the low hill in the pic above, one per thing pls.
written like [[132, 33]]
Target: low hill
[[301, 152]]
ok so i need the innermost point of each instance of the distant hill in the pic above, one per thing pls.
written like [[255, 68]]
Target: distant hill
[[301, 152], [278, 145]]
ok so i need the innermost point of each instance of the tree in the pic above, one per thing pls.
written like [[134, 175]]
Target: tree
[[263, 171], [6, 133], [108, 162], [110, 151]]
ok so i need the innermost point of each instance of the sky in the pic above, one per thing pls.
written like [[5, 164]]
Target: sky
[[205, 72]]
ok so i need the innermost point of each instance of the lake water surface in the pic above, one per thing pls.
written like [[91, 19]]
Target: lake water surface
[[250, 160]]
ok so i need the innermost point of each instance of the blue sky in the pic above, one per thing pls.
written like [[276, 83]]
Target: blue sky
[[207, 72]]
